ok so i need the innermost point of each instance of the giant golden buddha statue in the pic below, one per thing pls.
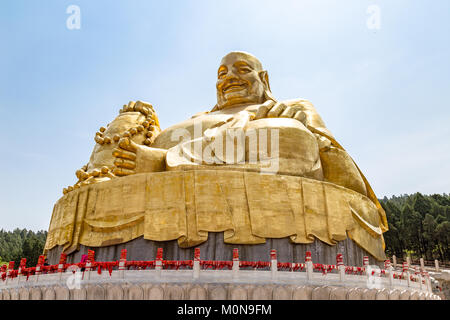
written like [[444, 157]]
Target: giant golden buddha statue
[[253, 172]]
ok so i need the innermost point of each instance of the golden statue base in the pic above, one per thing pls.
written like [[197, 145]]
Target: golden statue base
[[247, 207]]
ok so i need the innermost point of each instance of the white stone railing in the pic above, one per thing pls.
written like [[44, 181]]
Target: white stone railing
[[305, 274]]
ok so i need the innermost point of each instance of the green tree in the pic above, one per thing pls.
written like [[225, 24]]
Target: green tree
[[429, 235], [24, 243], [418, 224]]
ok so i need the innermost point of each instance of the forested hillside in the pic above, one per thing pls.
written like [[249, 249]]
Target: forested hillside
[[24, 243], [418, 224]]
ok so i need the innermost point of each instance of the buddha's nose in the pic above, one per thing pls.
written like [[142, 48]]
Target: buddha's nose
[[231, 77]]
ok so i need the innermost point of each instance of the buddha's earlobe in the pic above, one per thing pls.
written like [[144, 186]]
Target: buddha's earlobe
[[264, 76], [268, 95]]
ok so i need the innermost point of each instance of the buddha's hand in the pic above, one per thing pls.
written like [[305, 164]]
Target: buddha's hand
[[324, 143], [272, 109], [132, 158], [138, 106]]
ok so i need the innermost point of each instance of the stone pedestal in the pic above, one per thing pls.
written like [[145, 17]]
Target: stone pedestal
[[215, 249]]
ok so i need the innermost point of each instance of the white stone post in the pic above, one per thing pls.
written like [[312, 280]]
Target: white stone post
[[122, 263], [420, 281], [309, 266], [90, 261], [235, 267], [88, 269], [394, 261], [389, 272], [60, 271], [41, 260], [406, 270], [391, 276], [39, 264], [158, 262], [37, 273], [428, 282], [196, 267], [8, 273], [62, 262], [422, 265], [366, 267], [436, 265], [274, 263], [4, 270], [341, 267], [22, 265], [408, 261]]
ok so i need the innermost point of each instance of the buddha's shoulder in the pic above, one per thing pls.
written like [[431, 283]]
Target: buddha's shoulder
[[313, 118], [198, 114], [304, 104]]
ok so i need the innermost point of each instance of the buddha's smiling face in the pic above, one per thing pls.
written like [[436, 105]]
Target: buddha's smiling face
[[240, 81]]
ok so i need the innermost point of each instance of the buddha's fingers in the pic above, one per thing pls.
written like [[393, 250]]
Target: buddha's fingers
[[289, 112], [261, 113], [126, 144], [79, 174], [130, 106], [125, 164], [300, 116], [276, 110], [120, 153], [324, 143], [264, 109], [120, 172], [140, 104]]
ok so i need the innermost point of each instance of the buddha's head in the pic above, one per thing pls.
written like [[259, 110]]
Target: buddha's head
[[241, 80]]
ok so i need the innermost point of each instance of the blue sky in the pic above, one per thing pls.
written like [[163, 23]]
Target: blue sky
[[384, 93]]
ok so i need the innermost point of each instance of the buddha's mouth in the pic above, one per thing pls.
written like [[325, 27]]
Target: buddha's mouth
[[234, 87]]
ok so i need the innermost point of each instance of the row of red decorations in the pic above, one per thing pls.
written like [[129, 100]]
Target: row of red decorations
[[186, 264]]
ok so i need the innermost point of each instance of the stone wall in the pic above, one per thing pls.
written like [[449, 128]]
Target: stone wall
[[210, 285], [225, 291]]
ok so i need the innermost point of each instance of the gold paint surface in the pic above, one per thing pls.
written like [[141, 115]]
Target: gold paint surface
[[248, 207]]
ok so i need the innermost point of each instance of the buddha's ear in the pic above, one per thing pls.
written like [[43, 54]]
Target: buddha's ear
[[264, 76], [265, 79]]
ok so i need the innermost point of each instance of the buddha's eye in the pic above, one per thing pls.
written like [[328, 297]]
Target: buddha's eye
[[222, 74], [244, 69]]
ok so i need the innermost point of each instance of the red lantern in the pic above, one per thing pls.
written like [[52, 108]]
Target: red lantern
[[235, 254], [339, 260], [273, 254], [308, 256], [197, 254], [23, 263], [91, 256], [63, 258], [123, 254], [159, 254], [41, 260]]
